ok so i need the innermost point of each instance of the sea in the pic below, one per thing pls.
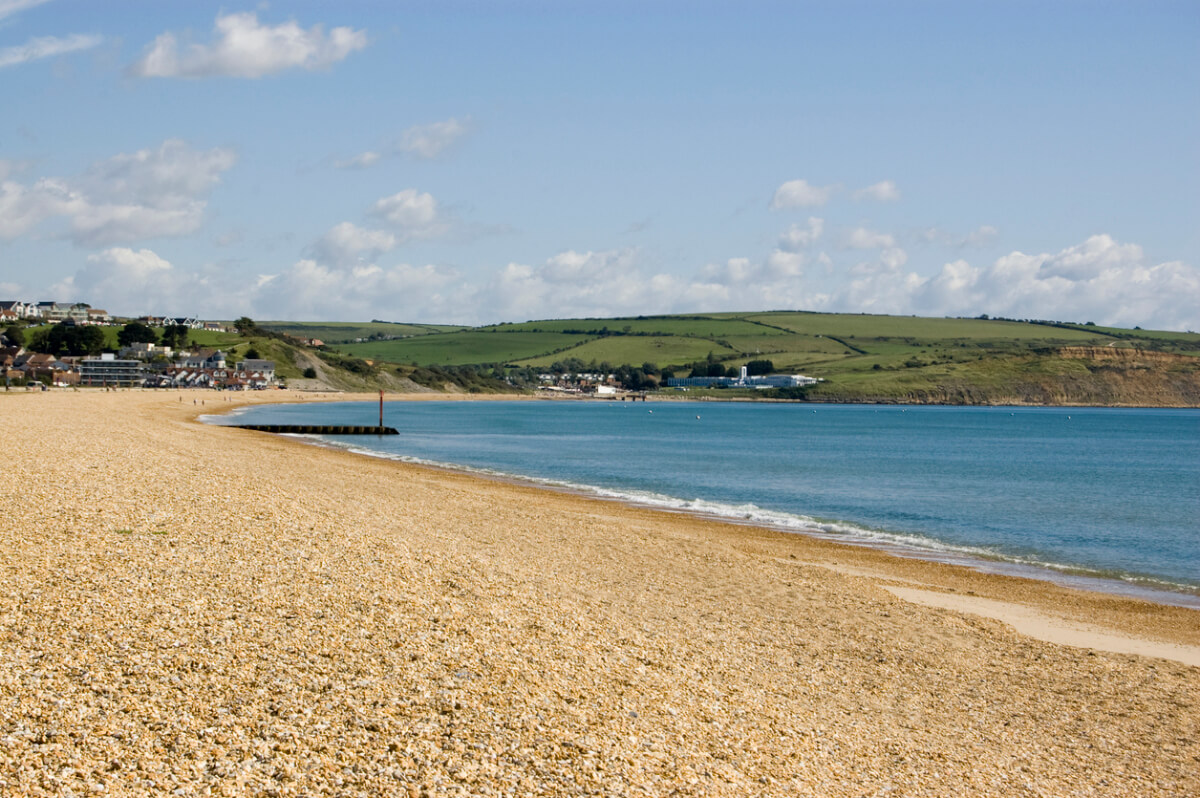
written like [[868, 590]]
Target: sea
[[1098, 498]]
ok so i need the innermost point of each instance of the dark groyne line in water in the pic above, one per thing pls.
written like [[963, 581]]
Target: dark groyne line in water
[[318, 429]]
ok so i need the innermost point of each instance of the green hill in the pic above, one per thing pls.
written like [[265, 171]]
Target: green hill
[[861, 358]]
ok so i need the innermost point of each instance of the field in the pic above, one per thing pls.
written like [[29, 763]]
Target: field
[[689, 326], [888, 358], [851, 349], [340, 332], [465, 347], [916, 329], [618, 350]]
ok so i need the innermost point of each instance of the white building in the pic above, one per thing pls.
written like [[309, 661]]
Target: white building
[[108, 370]]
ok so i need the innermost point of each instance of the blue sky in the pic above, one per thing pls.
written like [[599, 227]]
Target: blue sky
[[482, 162]]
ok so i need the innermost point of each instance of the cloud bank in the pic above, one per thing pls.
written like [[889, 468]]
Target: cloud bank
[[150, 193], [344, 281]]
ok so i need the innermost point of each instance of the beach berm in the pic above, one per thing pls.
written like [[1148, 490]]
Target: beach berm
[[196, 610]]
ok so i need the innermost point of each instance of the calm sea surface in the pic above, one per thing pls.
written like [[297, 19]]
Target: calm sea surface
[[1076, 495]]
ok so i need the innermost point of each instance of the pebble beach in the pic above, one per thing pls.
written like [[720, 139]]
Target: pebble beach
[[198, 610]]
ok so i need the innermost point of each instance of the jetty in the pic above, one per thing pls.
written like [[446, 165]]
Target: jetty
[[319, 429]]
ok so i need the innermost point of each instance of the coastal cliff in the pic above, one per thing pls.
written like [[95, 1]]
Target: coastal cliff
[[1073, 375]]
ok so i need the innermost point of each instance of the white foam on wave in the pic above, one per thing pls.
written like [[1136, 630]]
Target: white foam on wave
[[223, 418]]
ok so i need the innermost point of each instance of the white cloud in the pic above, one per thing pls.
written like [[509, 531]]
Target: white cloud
[[796, 238], [800, 194], [47, 46], [311, 290], [862, 238], [1090, 259], [95, 225], [429, 141], [573, 283], [123, 280], [414, 213], [981, 236], [1099, 280], [146, 194], [172, 173], [781, 263], [10, 7], [588, 268], [23, 208], [421, 141], [883, 191], [360, 161], [346, 242], [732, 272], [245, 48], [893, 257]]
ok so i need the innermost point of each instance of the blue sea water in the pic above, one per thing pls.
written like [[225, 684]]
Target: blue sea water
[[1077, 495]]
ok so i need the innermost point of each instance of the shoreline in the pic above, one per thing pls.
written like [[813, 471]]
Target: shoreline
[[1065, 576], [195, 608], [888, 553]]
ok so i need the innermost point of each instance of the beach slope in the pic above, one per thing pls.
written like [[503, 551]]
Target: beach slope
[[187, 609]]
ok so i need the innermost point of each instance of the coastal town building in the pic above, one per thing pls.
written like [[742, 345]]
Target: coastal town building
[[20, 310], [761, 382], [107, 370], [203, 359], [264, 368], [246, 376], [142, 350]]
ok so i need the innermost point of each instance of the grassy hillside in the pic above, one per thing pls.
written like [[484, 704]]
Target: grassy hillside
[[860, 357], [464, 347], [339, 332]]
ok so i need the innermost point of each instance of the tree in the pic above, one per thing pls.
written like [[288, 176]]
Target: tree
[[251, 354], [757, 367], [135, 332], [310, 373], [16, 334], [175, 336], [245, 326], [89, 341], [74, 340]]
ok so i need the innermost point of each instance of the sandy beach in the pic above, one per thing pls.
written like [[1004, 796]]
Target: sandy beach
[[195, 610]]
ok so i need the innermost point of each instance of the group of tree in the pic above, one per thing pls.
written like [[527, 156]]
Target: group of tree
[[68, 339], [249, 328], [136, 332], [711, 367], [489, 378]]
